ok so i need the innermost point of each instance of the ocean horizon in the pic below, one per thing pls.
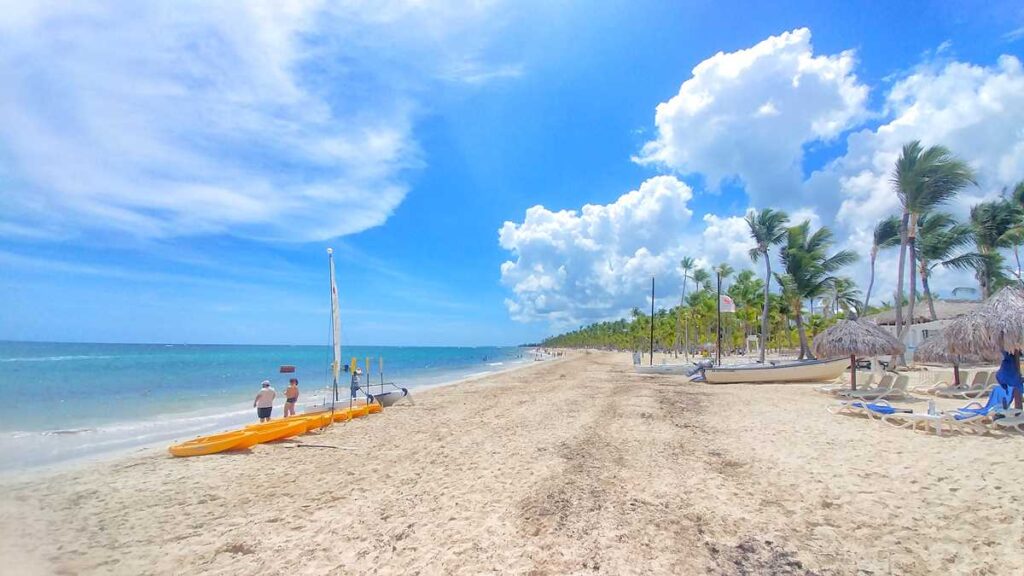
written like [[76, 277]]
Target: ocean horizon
[[77, 400]]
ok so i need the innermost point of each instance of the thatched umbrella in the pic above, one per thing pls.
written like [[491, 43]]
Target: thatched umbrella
[[936, 349], [996, 326], [855, 338]]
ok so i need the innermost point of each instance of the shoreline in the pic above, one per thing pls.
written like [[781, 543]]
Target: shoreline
[[569, 466], [157, 447]]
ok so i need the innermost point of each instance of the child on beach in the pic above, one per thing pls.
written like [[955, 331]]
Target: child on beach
[[264, 402], [291, 396]]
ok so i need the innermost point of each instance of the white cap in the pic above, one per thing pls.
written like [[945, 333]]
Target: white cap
[[265, 383]]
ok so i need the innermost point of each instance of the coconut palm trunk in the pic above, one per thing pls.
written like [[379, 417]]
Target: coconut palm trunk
[[900, 328], [871, 281], [928, 293], [764, 309], [805, 350], [912, 251]]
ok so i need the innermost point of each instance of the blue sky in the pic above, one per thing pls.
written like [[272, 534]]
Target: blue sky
[[176, 177]]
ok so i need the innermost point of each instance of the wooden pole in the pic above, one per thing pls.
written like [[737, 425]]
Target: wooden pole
[[718, 325], [1017, 400], [652, 321], [853, 371]]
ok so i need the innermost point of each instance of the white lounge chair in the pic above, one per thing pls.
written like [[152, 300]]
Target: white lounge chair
[[938, 380], [981, 384], [896, 391], [1011, 419], [842, 384], [873, 410]]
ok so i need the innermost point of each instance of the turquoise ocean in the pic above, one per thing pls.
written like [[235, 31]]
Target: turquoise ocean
[[68, 401]]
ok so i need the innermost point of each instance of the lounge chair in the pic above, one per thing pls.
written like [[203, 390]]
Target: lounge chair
[[873, 410], [981, 384], [896, 391], [973, 417], [843, 385], [1011, 419], [939, 380]]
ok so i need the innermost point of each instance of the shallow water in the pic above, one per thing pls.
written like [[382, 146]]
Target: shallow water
[[67, 401]]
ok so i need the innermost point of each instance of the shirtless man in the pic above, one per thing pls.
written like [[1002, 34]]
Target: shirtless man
[[291, 396], [264, 402]]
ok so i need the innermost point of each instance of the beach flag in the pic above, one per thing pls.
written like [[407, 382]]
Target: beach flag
[[726, 303]]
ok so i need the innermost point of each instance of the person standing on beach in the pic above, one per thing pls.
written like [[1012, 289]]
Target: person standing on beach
[[355, 381], [291, 396], [264, 402]]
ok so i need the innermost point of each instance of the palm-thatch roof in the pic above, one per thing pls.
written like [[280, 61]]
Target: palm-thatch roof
[[944, 310], [996, 326], [855, 337], [935, 350]]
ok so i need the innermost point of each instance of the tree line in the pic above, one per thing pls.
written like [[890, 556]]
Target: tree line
[[780, 306]]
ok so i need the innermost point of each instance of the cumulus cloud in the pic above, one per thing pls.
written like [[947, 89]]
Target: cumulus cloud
[[976, 111], [569, 266], [748, 114], [283, 120]]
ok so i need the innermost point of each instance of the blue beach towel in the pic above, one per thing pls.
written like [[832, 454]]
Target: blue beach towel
[[1001, 397], [879, 408]]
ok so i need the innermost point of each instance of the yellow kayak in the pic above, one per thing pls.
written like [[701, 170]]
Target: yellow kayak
[[210, 444], [318, 421], [374, 408]]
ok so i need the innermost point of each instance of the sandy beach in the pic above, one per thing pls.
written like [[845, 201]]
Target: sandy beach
[[572, 466]]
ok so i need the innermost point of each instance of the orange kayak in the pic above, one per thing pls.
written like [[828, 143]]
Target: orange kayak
[[210, 444]]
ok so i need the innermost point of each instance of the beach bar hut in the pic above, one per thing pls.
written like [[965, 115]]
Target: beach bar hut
[[996, 326], [855, 338]]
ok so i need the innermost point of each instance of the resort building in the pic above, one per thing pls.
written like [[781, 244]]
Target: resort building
[[923, 327]]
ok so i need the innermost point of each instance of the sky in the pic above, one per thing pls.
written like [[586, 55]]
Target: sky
[[488, 172]]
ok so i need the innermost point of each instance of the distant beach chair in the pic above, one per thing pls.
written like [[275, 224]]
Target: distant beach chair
[[981, 383], [937, 380], [895, 391], [842, 384]]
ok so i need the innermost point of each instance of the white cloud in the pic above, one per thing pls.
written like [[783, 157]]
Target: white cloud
[[570, 266], [284, 120], [976, 111], [748, 114], [574, 266]]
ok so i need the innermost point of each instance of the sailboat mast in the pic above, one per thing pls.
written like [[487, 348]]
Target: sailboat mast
[[335, 328]]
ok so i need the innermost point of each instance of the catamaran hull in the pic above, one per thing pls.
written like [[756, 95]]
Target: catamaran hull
[[813, 371], [386, 399]]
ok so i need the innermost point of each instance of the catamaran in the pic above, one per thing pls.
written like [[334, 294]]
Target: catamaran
[[800, 371], [323, 405]]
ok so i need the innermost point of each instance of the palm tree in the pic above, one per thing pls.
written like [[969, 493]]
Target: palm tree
[[767, 228], [686, 264], [924, 179], [846, 296], [886, 235], [991, 222], [941, 238], [1014, 237], [724, 270], [702, 279], [810, 269]]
